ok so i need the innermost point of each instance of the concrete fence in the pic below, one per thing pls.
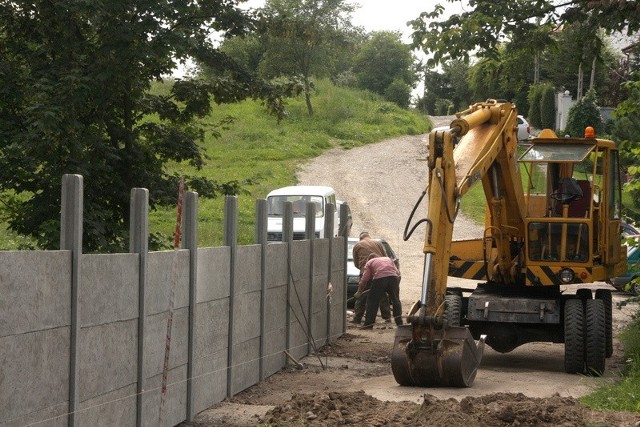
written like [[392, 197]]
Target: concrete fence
[[84, 337]]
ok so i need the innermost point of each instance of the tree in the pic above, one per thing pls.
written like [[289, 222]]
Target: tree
[[584, 113], [449, 89], [399, 93], [75, 99], [548, 107], [626, 132], [507, 75], [535, 96], [304, 38], [383, 59], [522, 24]]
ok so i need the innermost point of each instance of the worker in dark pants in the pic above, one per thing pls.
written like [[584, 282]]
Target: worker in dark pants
[[384, 277], [363, 251]]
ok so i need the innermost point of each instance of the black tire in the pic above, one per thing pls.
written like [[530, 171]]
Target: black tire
[[573, 336], [595, 341], [605, 296], [583, 294], [453, 310]]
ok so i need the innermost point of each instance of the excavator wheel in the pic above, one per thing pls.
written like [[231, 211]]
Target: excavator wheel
[[451, 359], [605, 296]]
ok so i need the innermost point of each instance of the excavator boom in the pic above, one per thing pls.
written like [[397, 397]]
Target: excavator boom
[[430, 351]]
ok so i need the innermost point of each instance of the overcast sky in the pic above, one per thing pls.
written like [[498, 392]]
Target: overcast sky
[[387, 15]]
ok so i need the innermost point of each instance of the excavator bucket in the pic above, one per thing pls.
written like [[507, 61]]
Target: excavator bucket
[[450, 359]]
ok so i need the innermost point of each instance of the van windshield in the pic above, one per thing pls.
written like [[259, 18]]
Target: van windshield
[[275, 205]]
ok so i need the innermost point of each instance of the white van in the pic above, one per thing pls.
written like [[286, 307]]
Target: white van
[[299, 195]]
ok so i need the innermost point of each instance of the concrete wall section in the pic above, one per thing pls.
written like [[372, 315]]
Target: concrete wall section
[[107, 358], [175, 409], [213, 273], [246, 318], [320, 290], [245, 365], [275, 308], [35, 328], [35, 375], [109, 290], [167, 270], [210, 374], [277, 271], [35, 289], [116, 408], [212, 317], [300, 288], [34, 336]]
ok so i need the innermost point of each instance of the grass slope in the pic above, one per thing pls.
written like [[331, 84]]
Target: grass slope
[[256, 148]]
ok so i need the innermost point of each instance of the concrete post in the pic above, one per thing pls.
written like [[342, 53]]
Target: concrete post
[[310, 231], [139, 244], [261, 239], [328, 227], [231, 240], [310, 221], [190, 242], [344, 218], [287, 236], [287, 222], [71, 240]]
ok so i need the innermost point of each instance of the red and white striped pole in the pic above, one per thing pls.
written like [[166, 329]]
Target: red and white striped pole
[[174, 276]]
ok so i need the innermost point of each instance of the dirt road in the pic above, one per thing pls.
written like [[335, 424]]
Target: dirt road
[[351, 382]]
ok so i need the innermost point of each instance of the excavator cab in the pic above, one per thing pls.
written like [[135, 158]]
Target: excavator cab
[[573, 213]]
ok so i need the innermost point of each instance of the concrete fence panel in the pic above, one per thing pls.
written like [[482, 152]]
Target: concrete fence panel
[[108, 338], [87, 333], [275, 327], [246, 318], [320, 288], [210, 382], [34, 336]]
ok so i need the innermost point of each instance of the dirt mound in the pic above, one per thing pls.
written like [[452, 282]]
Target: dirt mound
[[500, 409]]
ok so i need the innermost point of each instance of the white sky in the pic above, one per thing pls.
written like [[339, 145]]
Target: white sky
[[387, 15]]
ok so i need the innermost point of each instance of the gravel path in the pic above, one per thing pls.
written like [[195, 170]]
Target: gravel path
[[382, 182]]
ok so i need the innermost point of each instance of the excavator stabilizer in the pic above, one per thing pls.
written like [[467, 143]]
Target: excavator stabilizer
[[449, 359]]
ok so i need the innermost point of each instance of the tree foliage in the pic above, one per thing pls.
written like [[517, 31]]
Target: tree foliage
[[382, 60], [535, 113], [548, 107], [447, 90], [626, 132], [75, 99], [305, 38], [582, 114], [527, 25]]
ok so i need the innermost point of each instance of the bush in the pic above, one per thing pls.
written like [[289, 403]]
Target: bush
[[548, 107], [584, 113], [535, 95], [444, 107], [522, 103], [399, 93]]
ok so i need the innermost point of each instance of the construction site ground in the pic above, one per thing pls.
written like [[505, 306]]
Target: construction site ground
[[350, 381]]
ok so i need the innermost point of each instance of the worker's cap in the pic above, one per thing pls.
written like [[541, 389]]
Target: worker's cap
[[364, 234]]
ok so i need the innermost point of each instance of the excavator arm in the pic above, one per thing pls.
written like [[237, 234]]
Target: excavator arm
[[432, 350]]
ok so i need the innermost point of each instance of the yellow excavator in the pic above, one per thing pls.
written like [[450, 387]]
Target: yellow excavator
[[552, 220]]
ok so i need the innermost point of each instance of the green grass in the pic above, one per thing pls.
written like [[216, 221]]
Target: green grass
[[256, 148], [625, 394]]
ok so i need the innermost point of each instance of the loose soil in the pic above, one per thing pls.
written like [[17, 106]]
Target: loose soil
[[350, 381]]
